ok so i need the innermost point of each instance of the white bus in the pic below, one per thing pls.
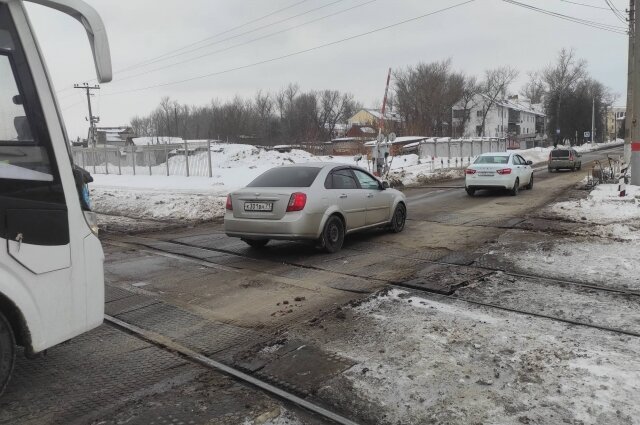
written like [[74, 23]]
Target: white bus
[[51, 261]]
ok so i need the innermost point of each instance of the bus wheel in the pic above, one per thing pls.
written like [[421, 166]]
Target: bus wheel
[[7, 352]]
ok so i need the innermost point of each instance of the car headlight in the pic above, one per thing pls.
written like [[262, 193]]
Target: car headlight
[[92, 221]]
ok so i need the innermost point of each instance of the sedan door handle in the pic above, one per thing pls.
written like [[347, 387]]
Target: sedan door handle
[[370, 195], [344, 195]]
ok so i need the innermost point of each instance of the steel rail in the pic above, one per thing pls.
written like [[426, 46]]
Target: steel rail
[[170, 345]]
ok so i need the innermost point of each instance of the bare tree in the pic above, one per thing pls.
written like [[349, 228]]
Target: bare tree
[[425, 95], [561, 78], [494, 88], [535, 88], [468, 99]]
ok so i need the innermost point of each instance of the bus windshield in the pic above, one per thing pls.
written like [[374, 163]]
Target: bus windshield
[[22, 155]]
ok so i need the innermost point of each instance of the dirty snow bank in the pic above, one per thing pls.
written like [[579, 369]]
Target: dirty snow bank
[[603, 206], [158, 205], [421, 360]]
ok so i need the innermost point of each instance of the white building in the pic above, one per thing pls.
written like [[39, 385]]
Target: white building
[[512, 117]]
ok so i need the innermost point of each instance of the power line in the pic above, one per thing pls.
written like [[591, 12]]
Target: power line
[[244, 43], [169, 55], [585, 5], [616, 12], [592, 24], [205, 39], [321, 46]]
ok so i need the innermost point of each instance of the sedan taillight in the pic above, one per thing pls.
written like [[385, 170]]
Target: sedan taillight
[[504, 171], [470, 171], [229, 203], [297, 202]]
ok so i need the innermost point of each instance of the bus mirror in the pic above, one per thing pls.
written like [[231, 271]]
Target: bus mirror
[[96, 32]]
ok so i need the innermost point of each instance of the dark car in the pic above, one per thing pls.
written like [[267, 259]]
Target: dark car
[[564, 158]]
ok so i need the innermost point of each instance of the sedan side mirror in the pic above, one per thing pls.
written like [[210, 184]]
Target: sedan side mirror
[[529, 162], [385, 185]]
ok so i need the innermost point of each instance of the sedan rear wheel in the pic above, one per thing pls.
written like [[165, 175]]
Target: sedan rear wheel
[[256, 243], [333, 234], [516, 188], [7, 352], [470, 192], [399, 219]]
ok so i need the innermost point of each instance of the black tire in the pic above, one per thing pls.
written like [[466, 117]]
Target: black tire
[[516, 188], [7, 352], [333, 234], [530, 185], [470, 192], [399, 219], [256, 243], [550, 169]]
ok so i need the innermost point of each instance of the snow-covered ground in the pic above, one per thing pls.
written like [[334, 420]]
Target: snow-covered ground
[[604, 249], [436, 360]]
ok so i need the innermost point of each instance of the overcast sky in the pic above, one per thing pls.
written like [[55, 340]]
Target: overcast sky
[[476, 36]]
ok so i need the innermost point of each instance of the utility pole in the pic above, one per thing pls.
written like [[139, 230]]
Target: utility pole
[[593, 121], [380, 154], [633, 149], [629, 110], [91, 139]]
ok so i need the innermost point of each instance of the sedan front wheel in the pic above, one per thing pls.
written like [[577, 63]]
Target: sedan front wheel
[[333, 234], [399, 219]]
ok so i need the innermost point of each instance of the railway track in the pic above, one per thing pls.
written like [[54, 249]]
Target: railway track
[[148, 245]]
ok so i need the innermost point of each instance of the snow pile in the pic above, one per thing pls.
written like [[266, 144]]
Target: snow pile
[[603, 206], [158, 205]]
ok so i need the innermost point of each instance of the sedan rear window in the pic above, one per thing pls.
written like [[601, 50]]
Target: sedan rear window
[[492, 159], [559, 153], [286, 177]]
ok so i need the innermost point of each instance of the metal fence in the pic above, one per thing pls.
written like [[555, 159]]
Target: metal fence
[[188, 159], [197, 158], [465, 148]]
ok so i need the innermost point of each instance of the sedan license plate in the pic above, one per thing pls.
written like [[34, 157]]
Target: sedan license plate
[[486, 173], [258, 206]]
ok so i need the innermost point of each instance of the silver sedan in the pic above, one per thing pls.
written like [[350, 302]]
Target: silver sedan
[[319, 202]]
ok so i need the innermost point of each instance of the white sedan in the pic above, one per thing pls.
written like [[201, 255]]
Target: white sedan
[[501, 171]]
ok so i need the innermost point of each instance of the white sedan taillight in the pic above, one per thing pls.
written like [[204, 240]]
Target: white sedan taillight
[[470, 171], [504, 171], [229, 203]]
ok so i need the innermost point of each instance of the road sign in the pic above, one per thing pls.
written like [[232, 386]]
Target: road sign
[[587, 134]]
